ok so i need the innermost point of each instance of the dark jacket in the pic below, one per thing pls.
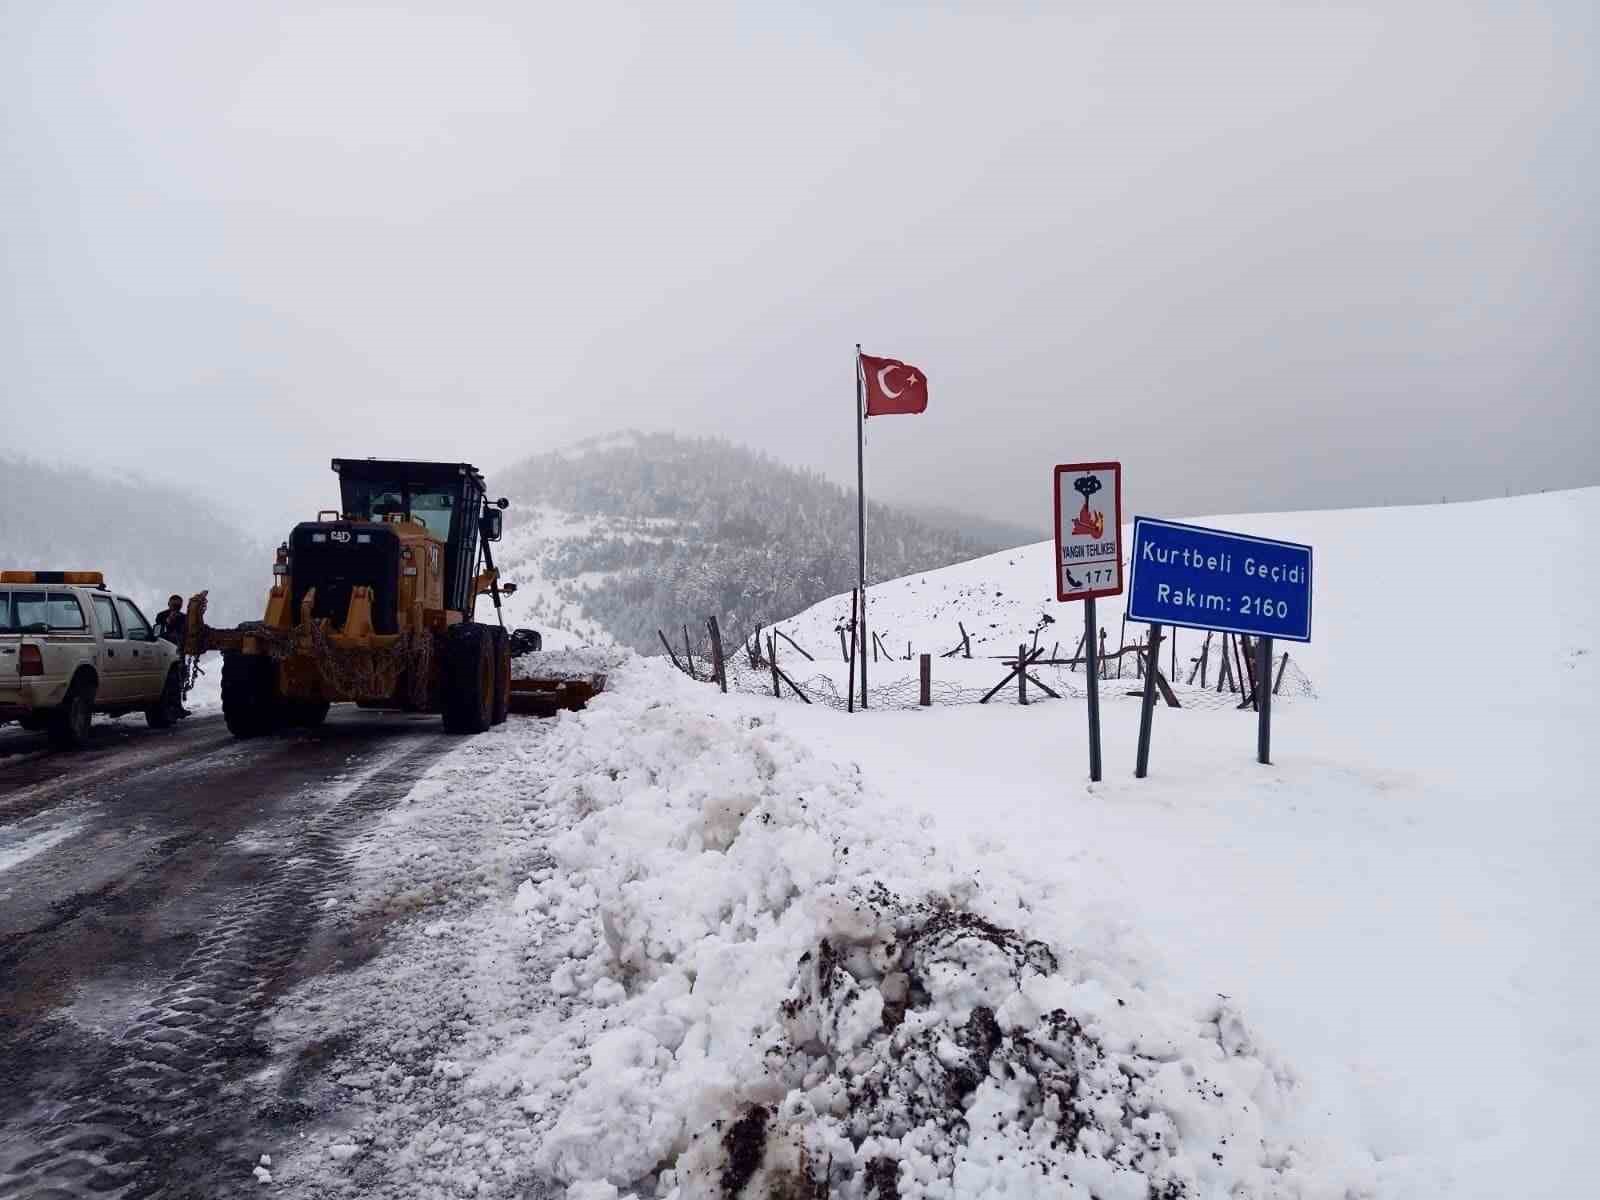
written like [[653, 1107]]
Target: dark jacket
[[170, 626]]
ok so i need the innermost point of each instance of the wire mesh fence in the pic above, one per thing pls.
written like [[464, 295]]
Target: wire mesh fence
[[896, 683]]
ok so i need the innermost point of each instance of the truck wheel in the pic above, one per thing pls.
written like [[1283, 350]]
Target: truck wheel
[[308, 714], [164, 713], [249, 706], [469, 678], [502, 675], [69, 724]]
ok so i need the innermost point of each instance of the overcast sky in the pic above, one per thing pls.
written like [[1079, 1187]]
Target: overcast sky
[[1270, 255]]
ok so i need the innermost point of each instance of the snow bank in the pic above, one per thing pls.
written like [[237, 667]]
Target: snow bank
[[728, 960]]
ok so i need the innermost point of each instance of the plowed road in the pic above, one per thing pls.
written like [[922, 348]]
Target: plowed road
[[157, 891]]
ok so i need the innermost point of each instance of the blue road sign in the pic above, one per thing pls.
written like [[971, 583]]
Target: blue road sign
[[1209, 579]]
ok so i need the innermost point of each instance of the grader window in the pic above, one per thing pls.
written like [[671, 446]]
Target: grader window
[[368, 500], [434, 509]]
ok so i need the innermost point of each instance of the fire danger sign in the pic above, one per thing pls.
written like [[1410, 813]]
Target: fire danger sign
[[1088, 530]]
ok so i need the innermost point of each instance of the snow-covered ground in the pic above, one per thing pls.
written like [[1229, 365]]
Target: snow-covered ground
[[682, 941]]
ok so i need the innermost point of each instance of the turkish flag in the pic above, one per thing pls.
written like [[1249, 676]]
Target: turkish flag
[[893, 387]]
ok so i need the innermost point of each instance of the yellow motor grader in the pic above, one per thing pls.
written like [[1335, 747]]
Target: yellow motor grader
[[374, 604]]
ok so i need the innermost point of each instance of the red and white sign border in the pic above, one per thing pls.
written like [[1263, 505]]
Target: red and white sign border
[[1076, 468]]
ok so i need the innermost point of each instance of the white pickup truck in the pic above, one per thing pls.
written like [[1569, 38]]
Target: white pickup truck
[[69, 648]]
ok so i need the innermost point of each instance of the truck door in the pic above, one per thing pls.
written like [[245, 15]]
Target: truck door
[[149, 674], [118, 671]]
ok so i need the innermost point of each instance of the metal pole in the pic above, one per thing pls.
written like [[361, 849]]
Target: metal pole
[[1094, 690], [1264, 699], [850, 683], [1147, 712], [861, 520]]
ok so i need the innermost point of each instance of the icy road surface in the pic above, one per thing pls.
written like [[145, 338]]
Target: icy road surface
[[157, 892]]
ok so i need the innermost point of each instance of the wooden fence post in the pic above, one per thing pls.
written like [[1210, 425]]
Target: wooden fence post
[[925, 669], [667, 646], [772, 656], [1278, 682], [966, 640], [1022, 672], [718, 667], [803, 652], [688, 654]]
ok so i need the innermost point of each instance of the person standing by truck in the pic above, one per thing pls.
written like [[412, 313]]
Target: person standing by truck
[[170, 626], [170, 622]]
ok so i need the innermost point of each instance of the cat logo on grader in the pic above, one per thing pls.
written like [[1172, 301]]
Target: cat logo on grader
[[374, 604]]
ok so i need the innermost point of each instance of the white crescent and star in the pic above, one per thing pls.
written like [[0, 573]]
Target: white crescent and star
[[883, 383]]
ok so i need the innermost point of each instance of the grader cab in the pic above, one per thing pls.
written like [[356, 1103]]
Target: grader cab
[[374, 603]]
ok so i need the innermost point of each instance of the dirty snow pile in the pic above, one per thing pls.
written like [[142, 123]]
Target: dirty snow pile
[[661, 947], [569, 662]]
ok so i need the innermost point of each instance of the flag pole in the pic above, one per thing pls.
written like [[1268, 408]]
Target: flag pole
[[861, 521]]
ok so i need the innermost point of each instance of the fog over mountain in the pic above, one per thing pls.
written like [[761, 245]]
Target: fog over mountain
[[150, 539]]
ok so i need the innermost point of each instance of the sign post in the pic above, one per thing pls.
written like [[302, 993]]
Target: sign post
[[1264, 701], [1089, 561], [1147, 706], [1092, 671], [1230, 582]]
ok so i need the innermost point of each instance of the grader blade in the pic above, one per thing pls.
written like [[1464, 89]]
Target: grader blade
[[546, 697]]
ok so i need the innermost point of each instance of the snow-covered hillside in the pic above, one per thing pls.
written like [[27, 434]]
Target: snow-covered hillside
[[1398, 590], [638, 532], [690, 945]]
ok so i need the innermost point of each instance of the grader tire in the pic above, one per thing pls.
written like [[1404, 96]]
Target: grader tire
[[502, 675], [469, 678], [249, 704], [307, 714]]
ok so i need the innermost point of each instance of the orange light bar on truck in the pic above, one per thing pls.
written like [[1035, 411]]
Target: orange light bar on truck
[[85, 578]]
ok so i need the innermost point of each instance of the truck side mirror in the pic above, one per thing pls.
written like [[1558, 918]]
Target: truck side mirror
[[489, 523]]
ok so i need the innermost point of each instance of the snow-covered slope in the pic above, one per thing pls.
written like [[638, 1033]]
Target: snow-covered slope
[[1398, 590], [546, 599]]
